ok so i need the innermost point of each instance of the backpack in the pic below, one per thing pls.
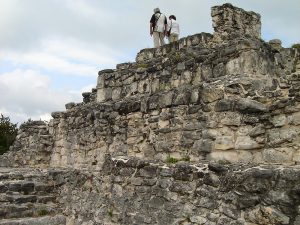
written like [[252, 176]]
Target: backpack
[[159, 25]]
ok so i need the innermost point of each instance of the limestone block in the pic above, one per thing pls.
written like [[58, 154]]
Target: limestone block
[[103, 94], [278, 120], [116, 93], [296, 156], [147, 149], [245, 143], [117, 146], [224, 143], [186, 78], [133, 88], [100, 82], [182, 98], [276, 44], [205, 145], [144, 86], [166, 99], [198, 220], [154, 85], [278, 155], [279, 136], [250, 106], [245, 156], [129, 80], [231, 156], [219, 70], [250, 63], [180, 67], [266, 214], [228, 19], [211, 94], [206, 72], [295, 118], [163, 124], [134, 140], [224, 105], [197, 79], [230, 119], [175, 83], [244, 130], [258, 130], [227, 156], [70, 105]]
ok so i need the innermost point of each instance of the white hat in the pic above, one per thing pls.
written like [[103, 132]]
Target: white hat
[[156, 10]]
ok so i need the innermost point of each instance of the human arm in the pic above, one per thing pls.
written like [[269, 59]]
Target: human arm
[[151, 29], [152, 22], [165, 26]]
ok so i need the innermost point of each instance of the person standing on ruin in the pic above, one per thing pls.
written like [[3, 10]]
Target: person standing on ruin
[[158, 27], [173, 29]]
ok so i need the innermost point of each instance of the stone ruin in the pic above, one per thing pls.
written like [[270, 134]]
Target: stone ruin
[[204, 131]]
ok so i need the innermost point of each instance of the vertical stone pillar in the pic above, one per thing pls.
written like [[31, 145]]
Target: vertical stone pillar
[[103, 92], [229, 20]]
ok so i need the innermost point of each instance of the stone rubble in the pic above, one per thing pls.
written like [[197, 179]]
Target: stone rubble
[[224, 107]]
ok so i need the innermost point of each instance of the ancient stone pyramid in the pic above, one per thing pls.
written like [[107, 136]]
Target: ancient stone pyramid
[[201, 131]]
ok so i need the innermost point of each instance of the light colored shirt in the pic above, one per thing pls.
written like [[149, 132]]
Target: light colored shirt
[[160, 22], [174, 27]]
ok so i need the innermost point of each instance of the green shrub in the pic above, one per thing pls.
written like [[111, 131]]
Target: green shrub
[[8, 133], [296, 46]]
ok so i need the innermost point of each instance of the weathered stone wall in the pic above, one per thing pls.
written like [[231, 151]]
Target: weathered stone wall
[[236, 102], [230, 21], [185, 135], [131, 191], [128, 191], [197, 99], [33, 146]]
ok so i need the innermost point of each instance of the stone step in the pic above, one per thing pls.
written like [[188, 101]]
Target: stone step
[[50, 220], [8, 211], [19, 198], [25, 187]]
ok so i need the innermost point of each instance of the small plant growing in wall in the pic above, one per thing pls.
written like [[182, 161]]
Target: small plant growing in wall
[[142, 65], [171, 160], [110, 212], [186, 158], [42, 212]]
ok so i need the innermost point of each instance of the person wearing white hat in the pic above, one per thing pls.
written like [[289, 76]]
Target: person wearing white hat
[[173, 29], [158, 27]]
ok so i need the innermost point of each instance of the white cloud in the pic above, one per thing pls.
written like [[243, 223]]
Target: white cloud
[[67, 56], [29, 94], [72, 49], [88, 10]]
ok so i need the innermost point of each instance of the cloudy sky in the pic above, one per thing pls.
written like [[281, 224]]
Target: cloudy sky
[[51, 50]]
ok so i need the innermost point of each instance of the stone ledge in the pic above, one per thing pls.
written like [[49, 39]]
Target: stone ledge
[[193, 40]]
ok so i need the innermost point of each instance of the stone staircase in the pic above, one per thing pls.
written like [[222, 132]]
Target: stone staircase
[[27, 197]]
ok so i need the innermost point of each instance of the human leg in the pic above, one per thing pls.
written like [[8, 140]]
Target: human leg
[[173, 37], [156, 39], [162, 39]]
